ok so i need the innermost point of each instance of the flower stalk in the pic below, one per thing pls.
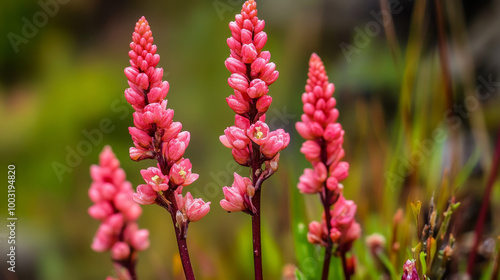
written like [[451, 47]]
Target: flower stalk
[[323, 148], [114, 207], [251, 141], [156, 136]]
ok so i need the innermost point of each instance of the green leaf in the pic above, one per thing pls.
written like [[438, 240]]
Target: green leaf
[[415, 208], [422, 262]]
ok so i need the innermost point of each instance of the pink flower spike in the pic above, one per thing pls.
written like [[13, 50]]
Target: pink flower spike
[[157, 136], [251, 143], [323, 148], [114, 206]]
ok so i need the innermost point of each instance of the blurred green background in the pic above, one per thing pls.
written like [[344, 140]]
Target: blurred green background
[[62, 80]]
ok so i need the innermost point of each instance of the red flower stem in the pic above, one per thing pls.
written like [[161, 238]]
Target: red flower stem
[[256, 236], [496, 264], [347, 274], [183, 252], [325, 200], [129, 265], [131, 269], [170, 204], [181, 238], [328, 249], [256, 232], [255, 165], [484, 206]]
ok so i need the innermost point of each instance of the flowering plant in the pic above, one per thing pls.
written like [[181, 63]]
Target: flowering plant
[[114, 207], [323, 148], [157, 136], [251, 141]]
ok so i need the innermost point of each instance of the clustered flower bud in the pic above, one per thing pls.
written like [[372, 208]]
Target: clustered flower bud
[[323, 148], [344, 230], [155, 134], [410, 271], [251, 75], [114, 207]]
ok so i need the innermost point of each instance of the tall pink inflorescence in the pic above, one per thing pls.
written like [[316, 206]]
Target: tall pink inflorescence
[[157, 136], [118, 213], [323, 148], [251, 141]]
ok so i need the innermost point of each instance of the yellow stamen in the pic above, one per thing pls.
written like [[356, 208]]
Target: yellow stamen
[[259, 133], [156, 179], [183, 173]]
